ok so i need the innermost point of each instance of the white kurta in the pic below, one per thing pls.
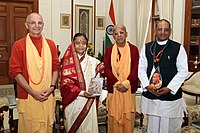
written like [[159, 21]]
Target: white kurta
[[89, 125], [164, 109]]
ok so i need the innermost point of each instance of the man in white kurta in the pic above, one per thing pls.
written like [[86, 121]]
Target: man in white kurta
[[164, 107]]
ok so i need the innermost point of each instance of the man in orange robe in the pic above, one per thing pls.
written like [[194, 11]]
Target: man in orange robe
[[121, 68], [34, 64]]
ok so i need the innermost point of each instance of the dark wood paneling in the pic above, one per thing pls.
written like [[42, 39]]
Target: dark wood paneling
[[3, 30], [4, 42], [193, 50], [18, 16], [12, 18]]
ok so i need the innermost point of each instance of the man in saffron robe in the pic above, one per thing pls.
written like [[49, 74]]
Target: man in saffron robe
[[121, 68], [77, 70], [34, 64]]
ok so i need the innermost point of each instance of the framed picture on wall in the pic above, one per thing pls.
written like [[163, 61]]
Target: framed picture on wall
[[84, 21], [100, 22], [64, 20]]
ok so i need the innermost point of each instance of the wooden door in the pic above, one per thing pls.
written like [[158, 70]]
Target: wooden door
[[4, 42], [12, 28]]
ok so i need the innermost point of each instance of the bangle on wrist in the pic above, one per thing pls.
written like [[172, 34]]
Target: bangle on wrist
[[54, 86]]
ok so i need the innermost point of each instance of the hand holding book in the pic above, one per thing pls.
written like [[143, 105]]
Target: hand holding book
[[95, 86], [88, 94]]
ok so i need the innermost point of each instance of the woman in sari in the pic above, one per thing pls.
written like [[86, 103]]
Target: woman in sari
[[77, 70]]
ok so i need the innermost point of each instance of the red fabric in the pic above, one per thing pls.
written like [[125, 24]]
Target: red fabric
[[133, 76], [72, 79], [17, 63]]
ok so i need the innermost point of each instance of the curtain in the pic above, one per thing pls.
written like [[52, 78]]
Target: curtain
[[135, 15], [174, 11], [144, 8], [179, 21], [166, 9]]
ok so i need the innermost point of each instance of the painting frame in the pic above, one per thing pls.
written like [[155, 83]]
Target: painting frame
[[100, 22], [65, 21], [84, 22]]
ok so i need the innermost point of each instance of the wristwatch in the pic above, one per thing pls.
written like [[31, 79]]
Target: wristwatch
[[54, 86]]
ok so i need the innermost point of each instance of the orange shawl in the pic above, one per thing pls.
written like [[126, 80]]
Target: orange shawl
[[121, 102], [36, 111]]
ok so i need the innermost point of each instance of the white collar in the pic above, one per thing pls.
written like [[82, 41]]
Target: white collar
[[162, 42]]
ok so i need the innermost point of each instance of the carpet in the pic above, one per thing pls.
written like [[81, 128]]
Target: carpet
[[8, 90]]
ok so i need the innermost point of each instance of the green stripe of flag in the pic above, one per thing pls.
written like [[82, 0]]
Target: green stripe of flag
[[108, 41]]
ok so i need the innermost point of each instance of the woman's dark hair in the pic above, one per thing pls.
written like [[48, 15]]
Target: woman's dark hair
[[80, 34]]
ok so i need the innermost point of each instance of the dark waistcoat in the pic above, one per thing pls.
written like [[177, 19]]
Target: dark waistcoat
[[167, 66]]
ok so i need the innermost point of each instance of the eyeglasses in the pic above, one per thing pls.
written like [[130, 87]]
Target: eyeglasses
[[117, 33], [163, 29], [39, 23]]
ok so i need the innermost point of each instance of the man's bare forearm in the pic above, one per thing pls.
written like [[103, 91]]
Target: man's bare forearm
[[54, 78], [23, 83]]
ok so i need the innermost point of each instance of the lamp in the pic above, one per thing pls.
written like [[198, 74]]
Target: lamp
[[196, 62]]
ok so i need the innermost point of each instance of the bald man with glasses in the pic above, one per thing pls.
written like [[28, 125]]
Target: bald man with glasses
[[34, 65], [121, 68]]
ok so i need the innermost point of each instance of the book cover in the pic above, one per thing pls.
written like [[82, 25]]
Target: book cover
[[156, 81], [95, 86]]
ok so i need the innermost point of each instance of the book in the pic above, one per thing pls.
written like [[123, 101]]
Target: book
[[196, 124], [95, 86], [156, 80]]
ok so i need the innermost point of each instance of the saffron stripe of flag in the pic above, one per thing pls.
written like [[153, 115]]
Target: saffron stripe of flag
[[110, 24]]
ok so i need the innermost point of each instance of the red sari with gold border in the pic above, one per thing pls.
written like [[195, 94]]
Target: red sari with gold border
[[73, 82]]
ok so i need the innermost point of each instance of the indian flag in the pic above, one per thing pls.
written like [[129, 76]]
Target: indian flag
[[110, 24]]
